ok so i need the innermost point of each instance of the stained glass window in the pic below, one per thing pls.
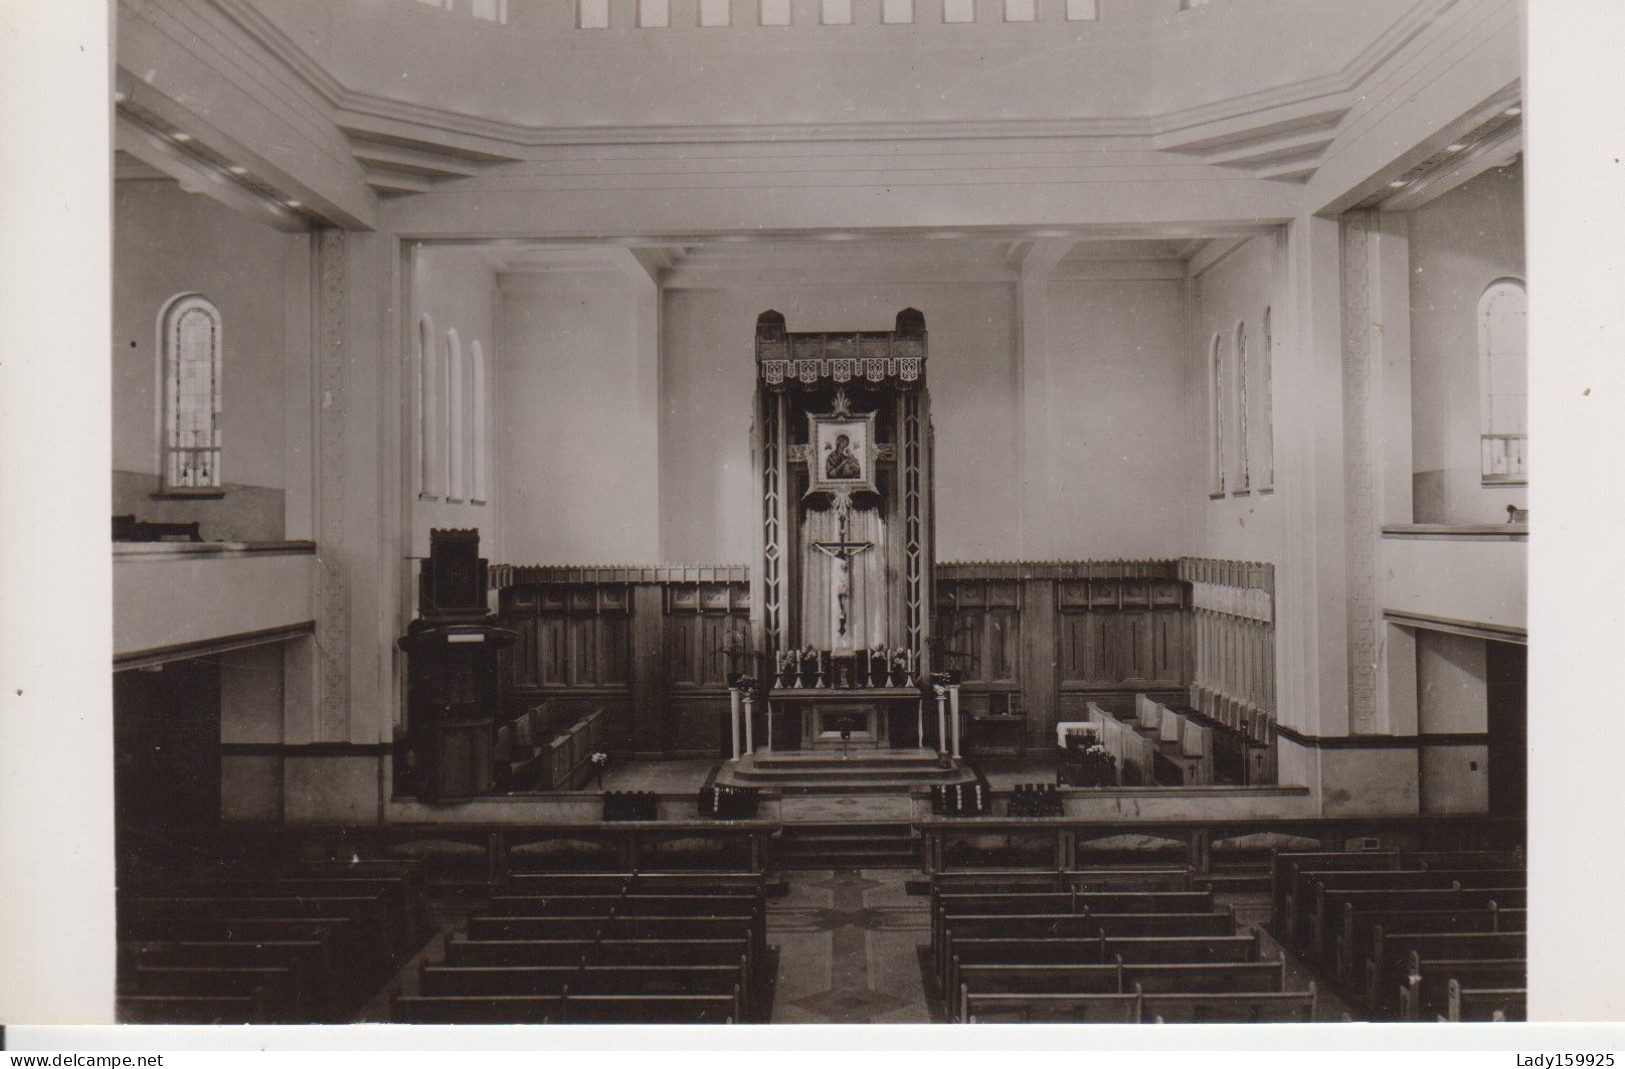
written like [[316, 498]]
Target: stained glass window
[[192, 348]]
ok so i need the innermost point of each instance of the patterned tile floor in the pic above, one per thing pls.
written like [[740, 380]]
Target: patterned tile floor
[[848, 949]]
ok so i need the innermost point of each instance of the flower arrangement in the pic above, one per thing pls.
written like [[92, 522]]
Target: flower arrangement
[[1090, 766], [600, 761]]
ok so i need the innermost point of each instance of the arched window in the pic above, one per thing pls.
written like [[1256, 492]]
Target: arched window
[[1216, 414], [1242, 443], [1266, 415], [456, 430], [479, 448], [1503, 386], [429, 391], [192, 348]]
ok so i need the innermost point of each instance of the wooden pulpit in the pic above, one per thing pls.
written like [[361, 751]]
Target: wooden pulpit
[[452, 692]]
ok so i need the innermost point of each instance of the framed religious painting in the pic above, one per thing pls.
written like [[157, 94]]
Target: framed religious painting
[[842, 453]]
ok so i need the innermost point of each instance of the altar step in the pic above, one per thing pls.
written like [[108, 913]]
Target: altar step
[[821, 771], [847, 845]]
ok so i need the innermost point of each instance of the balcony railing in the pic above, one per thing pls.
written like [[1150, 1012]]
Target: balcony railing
[[1506, 457]]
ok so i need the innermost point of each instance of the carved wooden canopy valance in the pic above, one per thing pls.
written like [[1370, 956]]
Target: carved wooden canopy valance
[[808, 359]]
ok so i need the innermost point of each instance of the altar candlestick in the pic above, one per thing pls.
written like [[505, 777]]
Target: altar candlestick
[[733, 717], [942, 721]]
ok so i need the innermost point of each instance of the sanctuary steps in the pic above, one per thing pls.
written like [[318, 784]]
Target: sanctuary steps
[[881, 771]]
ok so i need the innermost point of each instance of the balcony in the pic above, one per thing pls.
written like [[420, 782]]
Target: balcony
[[178, 599], [1470, 578]]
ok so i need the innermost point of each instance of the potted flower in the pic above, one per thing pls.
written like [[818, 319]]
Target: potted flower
[[1090, 766], [600, 761]]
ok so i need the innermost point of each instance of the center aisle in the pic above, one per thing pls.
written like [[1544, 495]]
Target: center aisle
[[849, 943]]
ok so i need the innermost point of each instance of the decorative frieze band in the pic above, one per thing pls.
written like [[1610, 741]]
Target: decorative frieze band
[[809, 372], [1249, 603], [1065, 569], [509, 575], [809, 358]]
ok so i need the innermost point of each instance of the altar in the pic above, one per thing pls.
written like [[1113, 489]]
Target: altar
[[841, 605]]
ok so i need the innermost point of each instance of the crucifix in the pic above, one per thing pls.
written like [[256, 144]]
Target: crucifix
[[841, 551]]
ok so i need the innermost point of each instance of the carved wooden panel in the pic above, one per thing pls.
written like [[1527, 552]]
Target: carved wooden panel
[[979, 628]]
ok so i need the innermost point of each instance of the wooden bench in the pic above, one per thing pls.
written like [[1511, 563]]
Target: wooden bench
[[517, 951], [309, 961], [398, 896], [177, 1009], [1228, 1008], [1425, 993], [1103, 878], [350, 971], [555, 929], [1353, 941], [1331, 906], [478, 1009], [1050, 1009], [366, 910], [537, 980], [273, 985], [1117, 978], [653, 1009], [1173, 949], [1291, 879], [1487, 1004], [1391, 955]]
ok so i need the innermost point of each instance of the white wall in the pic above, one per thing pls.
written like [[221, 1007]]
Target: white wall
[[457, 289], [586, 481], [168, 242], [1237, 289], [1460, 243], [578, 459], [1452, 699], [1118, 445], [707, 384]]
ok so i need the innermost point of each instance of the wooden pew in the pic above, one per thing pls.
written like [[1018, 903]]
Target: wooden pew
[[1391, 955], [1123, 925], [556, 929], [1352, 943], [689, 905], [1425, 993], [1145, 901], [569, 883], [477, 1009], [1150, 950], [517, 951], [349, 969], [1050, 1009], [534, 980], [1330, 906], [181, 1009], [670, 951], [1487, 1004], [1290, 880], [1106, 979], [368, 911], [653, 1009], [398, 897], [274, 985], [309, 960], [1463, 859], [551, 905], [1226, 1008], [1162, 979]]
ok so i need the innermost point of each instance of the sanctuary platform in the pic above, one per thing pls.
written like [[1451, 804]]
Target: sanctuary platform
[[834, 772]]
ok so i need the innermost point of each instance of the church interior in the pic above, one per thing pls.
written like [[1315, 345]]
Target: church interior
[[819, 511]]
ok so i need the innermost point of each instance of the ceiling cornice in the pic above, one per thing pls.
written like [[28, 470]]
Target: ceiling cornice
[[1280, 133]]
